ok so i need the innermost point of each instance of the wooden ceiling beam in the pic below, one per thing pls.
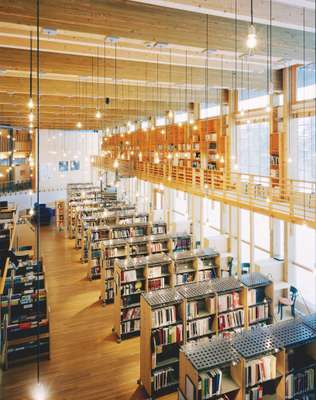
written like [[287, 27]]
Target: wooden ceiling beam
[[151, 24]]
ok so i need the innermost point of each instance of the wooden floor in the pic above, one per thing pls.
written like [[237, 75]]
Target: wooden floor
[[86, 362]]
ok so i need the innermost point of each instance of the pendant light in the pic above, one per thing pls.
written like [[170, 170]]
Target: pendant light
[[98, 113], [236, 86], [252, 35], [170, 112], [269, 60], [30, 103], [79, 124]]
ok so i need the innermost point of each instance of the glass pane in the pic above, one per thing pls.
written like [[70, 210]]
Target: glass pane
[[245, 225], [305, 246], [262, 231]]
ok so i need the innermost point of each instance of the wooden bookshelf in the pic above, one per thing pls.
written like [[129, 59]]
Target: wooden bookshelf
[[111, 250], [206, 264], [259, 294], [218, 356], [180, 242], [96, 235], [129, 283], [25, 313], [184, 267], [160, 338], [60, 215]]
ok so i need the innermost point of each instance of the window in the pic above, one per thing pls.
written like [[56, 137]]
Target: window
[[253, 148], [160, 121], [212, 213], [245, 225], [262, 231], [302, 149], [305, 82], [180, 116], [251, 100], [305, 246], [144, 125], [210, 111]]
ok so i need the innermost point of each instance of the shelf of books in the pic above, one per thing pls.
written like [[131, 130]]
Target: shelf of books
[[158, 272], [180, 242], [259, 295], [126, 231], [96, 235], [207, 267], [60, 215], [25, 314], [129, 283], [159, 243], [159, 228], [199, 309], [210, 370], [110, 251], [160, 339], [184, 267], [274, 362], [231, 305]]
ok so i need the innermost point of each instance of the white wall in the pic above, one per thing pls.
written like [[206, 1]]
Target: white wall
[[55, 146]]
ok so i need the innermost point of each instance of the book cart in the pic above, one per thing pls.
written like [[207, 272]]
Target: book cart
[[25, 313], [161, 334]]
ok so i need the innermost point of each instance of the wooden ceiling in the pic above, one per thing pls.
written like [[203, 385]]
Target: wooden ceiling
[[158, 48]]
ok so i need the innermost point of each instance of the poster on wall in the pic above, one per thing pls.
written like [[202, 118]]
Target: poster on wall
[[74, 165], [63, 166]]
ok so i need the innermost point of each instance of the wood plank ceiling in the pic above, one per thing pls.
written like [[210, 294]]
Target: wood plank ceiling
[[147, 56]]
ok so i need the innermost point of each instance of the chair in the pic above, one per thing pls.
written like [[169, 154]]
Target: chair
[[288, 302], [245, 268]]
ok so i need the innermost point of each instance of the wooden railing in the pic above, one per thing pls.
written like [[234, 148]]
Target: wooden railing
[[290, 200]]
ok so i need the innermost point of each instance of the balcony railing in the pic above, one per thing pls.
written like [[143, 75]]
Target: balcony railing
[[291, 200]]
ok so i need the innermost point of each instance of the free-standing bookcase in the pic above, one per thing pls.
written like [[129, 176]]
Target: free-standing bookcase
[[199, 311], [60, 215], [210, 371], [129, 283], [96, 235], [206, 264], [160, 338], [110, 251], [184, 267], [259, 299]]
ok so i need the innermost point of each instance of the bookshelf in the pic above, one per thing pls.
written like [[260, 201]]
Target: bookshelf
[[199, 310], [125, 231], [25, 313], [158, 272], [111, 250], [161, 334], [210, 370], [138, 246], [60, 215], [259, 299], [159, 243], [299, 362], [159, 228], [129, 283], [231, 305], [180, 242], [96, 235], [206, 264], [184, 267]]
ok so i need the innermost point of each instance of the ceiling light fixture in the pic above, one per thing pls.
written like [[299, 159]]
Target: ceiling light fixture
[[252, 35]]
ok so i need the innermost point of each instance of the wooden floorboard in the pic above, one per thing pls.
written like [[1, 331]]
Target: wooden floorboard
[[86, 362]]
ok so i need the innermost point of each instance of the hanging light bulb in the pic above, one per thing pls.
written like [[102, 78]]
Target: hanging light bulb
[[170, 114], [39, 392], [115, 164], [31, 125], [30, 104], [31, 117], [242, 113], [163, 131], [222, 160], [98, 114], [152, 128], [252, 38], [79, 125], [268, 108], [179, 124], [195, 128], [217, 156], [289, 160]]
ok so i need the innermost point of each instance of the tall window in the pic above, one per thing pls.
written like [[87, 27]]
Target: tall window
[[208, 111], [252, 99], [253, 148], [180, 116], [305, 82], [302, 149]]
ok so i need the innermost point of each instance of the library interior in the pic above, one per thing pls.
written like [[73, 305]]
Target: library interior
[[157, 199]]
